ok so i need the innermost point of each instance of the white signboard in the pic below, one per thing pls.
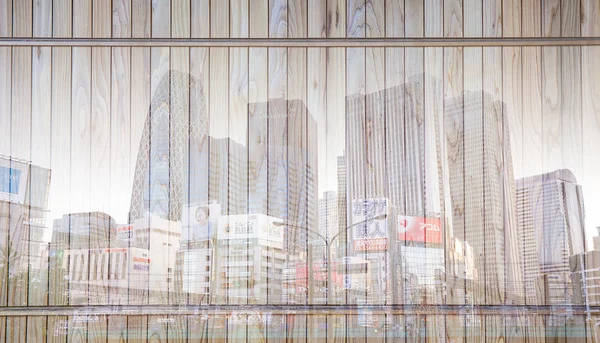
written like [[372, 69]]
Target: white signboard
[[371, 234], [125, 232], [252, 226]]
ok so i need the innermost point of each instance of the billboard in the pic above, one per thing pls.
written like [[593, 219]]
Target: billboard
[[419, 229], [369, 235], [245, 227], [13, 181], [198, 222], [125, 232]]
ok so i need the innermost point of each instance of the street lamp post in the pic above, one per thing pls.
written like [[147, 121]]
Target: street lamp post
[[328, 244]]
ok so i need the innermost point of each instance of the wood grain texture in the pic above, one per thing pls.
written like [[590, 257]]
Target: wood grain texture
[[375, 18], [42, 19], [570, 91], [82, 19], [161, 19], [102, 18], [414, 23], [493, 20], [336, 18], [238, 158], [121, 140], [20, 148], [278, 19], [453, 18], [259, 18], [317, 18], [41, 143], [141, 23], [200, 18], [100, 158], [590, 18], [59, 199], [6, 10], [5, 99], [473, 18], [298, 18], [121, 18], [511, 14], [356, 20], [137, 329], [180, 19], [219, 19]]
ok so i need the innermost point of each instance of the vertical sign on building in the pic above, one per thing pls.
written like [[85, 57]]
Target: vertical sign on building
[[371, 234]]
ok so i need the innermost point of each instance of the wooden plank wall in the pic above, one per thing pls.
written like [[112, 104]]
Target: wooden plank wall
[[80, 111]]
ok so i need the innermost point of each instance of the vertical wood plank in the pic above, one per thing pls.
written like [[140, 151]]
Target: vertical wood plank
[[259, 18], [117, 329], [493, 20], [161, 19], [473, 21], [59, 201], [19, 235], [121, 18], [511, 15], [238, 128], [570, 91], [590, 18], [551, 84], [590, 92], [42, 19], [5, 102], [22, 15], [258, 78], [41, 132], [355, 21], [141, 23], [102, 18], [239, 18], [297, 19], [336, 18], [80, 166], [200, 21], [532, 88], [120, 146], [219, 19], [6, 11], [317, 19], [82, 19]]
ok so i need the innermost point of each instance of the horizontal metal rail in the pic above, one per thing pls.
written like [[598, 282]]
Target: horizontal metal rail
[[300, 42], [224, 310]]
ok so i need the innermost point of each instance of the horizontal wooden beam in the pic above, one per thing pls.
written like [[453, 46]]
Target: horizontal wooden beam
[[502, 310], [300, 42]]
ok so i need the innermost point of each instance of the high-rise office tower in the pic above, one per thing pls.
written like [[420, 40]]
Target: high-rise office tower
[[550, 217], [328, 214], [172, 132], [393, 153], [482, 194]]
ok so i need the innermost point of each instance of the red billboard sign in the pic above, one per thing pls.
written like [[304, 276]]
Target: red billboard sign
[[419, 229]]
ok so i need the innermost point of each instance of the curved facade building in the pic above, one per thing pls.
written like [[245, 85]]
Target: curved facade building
[[175, 130]]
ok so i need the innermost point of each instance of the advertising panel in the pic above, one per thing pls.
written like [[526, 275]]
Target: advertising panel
[[419, 229], [253, 226], [372, 234], [13, 181], [125, 232], [198, 222]]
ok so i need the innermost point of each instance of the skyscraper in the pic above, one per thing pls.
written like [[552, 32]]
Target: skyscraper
[[482, 194], [171, 132], [328, 214], [550, 216]]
